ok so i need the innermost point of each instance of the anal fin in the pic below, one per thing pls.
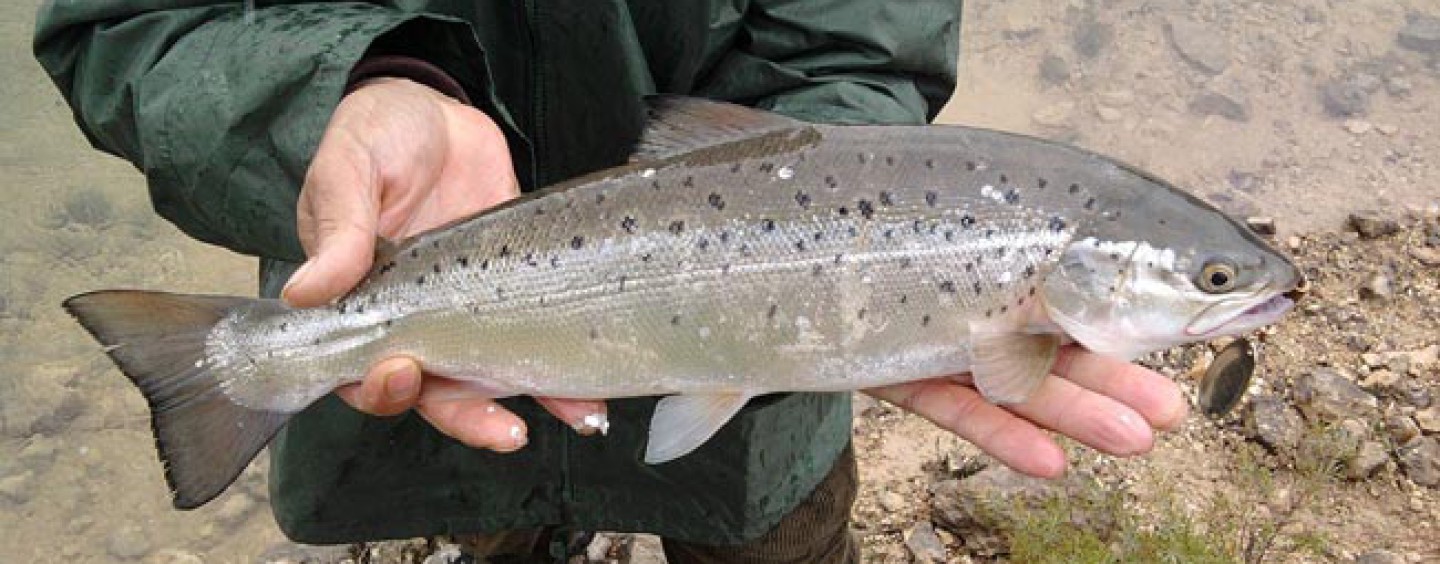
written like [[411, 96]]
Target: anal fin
[[683, 423], [1009, 365]]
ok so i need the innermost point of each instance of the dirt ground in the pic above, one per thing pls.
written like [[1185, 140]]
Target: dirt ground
[[1302, 111]]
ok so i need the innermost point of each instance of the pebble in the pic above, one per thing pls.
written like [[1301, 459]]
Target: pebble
[[1261, 224], [1381, 379], [449, 553], [1377, 287], [1056, 115], [1054, 70], [174, 556], [88, 207], [1274, 424], [1421, 461], [128, 542], [1358, 126], [1344, 99], [1108, 114], [1090, 37], [16, 489], [892, 502], [1428, 256], [1379, 556], [1117, 98], [1428, 419], [234, 509], [1325, 393], [1368, 458], [1199, 45], [1371, 224], [1229, 105], [646, 549], [1402, 428], [924, 544], [1421, 33]]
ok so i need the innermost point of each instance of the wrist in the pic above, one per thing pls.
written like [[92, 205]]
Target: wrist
[[375, 68]]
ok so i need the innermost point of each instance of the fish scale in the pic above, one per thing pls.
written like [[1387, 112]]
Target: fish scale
[[740, 254]]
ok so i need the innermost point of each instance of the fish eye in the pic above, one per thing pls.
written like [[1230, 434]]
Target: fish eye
[[1217, 276]]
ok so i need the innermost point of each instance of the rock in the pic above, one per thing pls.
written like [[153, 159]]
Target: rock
[[1344, 99], [1377, 287], [1090, 37], [128, 542], [1117, 98], [1381, 380], [1369, 457], [1108, 114], [234, 509], [1057, 115], [1274, 424], [1325, 393], [1358, 126], [646, 549], [1261, 224], [449, 553], [924, 544], [174, 556], [1199, 45], [1428, 419], [863, 405], [291, 553], [892, 502], [1402, 428], [960, 505], [38, 454], [1398, 86], [1054, 70], [1372, 224], [1427, 256], [1231, 105], [1379, 556], [1421, 461], [1421, 33], [87, 207], [16, 489]]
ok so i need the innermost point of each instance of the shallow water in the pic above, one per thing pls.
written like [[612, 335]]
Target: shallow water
[[78, 476]]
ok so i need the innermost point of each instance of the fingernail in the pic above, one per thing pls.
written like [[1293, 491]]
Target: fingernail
[[517, 437], [591, 423], [295, 280], [400, 383]]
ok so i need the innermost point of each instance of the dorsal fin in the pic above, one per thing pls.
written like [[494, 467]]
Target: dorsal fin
[[681, 124]]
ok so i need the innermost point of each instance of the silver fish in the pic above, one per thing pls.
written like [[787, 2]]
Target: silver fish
[[741, 253]]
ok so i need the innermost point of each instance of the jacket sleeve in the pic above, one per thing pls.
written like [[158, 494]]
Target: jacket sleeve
[[222, 109], [843, 61]]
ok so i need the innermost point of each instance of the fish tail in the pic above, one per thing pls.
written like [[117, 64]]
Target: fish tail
[[158, 340]]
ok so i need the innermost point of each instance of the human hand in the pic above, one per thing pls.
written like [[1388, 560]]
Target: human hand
[[1108, 404], [397, 159]]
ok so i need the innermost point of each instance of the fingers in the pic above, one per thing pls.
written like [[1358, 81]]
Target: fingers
[[479, 422], [389, 388], [337, 218], [587, 417], [1093, 419], [1013, 441], [1152, 395]]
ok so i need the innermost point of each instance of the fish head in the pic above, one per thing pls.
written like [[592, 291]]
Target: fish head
[[1159, 268]]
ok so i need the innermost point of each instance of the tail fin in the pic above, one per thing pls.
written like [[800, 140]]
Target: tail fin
[[158, 341]]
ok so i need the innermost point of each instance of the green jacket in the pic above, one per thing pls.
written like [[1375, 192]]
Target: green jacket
[[223, 111]]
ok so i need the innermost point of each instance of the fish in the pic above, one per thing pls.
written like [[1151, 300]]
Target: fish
[[738, 253]]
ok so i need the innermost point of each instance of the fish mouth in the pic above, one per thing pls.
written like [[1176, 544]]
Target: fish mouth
[[1256, 316]]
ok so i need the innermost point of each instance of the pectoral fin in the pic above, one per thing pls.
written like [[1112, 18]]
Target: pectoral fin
[[1009, 365], [683, 423]]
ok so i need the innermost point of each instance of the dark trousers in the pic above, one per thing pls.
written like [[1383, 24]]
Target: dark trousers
[[818, 530]]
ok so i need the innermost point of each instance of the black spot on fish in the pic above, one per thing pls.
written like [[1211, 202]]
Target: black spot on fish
[[976, 287], [725, 268], [889, 160], [767, 167], [971, 166], [931, 198], [621, 282], [1012, 196], [539, 211], [724, 237], [989, 313], [655, 185], [1057, 224], [886, 199], [925, 320], [1004, 308], [1029, 270], [414, 253], [341, 307], [929, 163], [905, 262], [677, 227], [843, 211], [819, 235], [967, 221], [1115, 256], [675, 320], [830, 181], [463, 261], [436, 268], [646, 257], [420, 280], [948, 287], [918, 226], [504, 251], [867, 210], [689, 182], [1042, 183], [1161, 222], [839, 257], [889, 233], [817, 270], [1032, 290], [862, 157], [770, 314], [599, 198], [1004, 179], [803, 199], [852, 231], [716, 201], [703, 243], [284, 327], [628, 224], [768, 225], [577, 242], [800, 245], [904, 298], [989, 233], [860, 314], [1090, 204], [1074, 189], [745, 249], [388, 322], [529, 259], [949, 235], [554, 262], [594, 333], [734, 168], [315, 342], [969, 267]]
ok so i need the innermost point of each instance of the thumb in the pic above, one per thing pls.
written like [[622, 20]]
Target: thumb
[[338, 221]]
